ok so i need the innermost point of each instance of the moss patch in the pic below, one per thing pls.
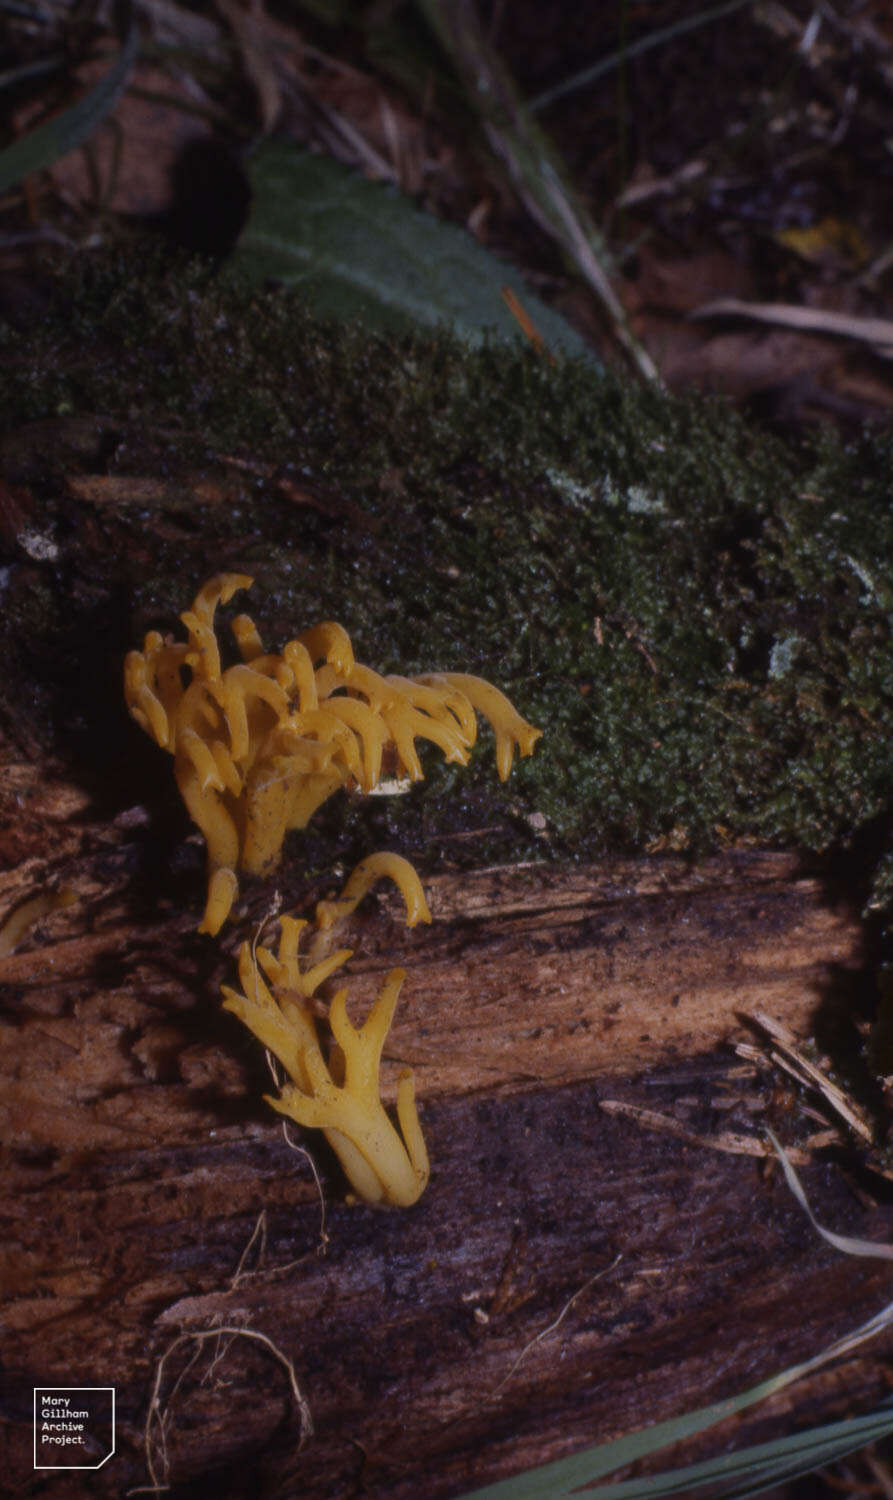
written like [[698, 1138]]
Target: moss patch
[[698, 616]]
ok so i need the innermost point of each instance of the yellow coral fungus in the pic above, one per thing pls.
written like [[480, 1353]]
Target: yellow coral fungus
[[376, 867], [340, 1097], [260, 745]]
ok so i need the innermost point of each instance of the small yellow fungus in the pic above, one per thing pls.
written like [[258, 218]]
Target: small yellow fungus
[[260, 745], [376, 867], [339, 1097]]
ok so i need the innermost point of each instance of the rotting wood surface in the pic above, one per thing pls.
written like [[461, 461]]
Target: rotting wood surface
[[140, 1157]]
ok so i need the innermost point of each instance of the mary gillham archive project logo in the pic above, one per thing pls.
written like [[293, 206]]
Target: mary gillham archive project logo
[[74, 1426]]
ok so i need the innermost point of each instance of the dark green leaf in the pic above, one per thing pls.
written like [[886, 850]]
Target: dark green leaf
[[362, 250]]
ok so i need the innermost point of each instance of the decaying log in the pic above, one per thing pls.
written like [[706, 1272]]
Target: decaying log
[[544, 1008]]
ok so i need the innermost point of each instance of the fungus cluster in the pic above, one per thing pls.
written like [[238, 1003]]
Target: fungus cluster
[[260, 745], [340, 1096]]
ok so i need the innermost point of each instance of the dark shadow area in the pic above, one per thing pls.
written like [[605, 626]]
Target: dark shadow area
[[210, 200]]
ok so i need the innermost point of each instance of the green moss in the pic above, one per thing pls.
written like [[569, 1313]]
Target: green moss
[[697, 615]]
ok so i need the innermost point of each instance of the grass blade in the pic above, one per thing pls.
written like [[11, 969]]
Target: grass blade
[[664, 34], [41, 147], [535, 167], [757, 1467]]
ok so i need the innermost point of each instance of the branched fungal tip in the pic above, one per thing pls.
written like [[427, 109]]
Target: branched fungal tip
[[258, 746], [340, 1097]]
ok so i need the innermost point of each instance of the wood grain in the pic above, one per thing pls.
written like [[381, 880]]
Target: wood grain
[[140, 1159]]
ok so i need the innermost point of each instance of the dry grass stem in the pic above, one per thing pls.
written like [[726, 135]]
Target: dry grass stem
[[788, 1056], [544, 1333], [728, 1141], [158, 1414], [258, 1234]]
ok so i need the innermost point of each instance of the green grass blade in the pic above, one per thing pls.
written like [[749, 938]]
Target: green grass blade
[[41, 147], [664, 34], [567, 1474], [758, 1466], [751, 1470], [36, 69], [747, 1471]]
